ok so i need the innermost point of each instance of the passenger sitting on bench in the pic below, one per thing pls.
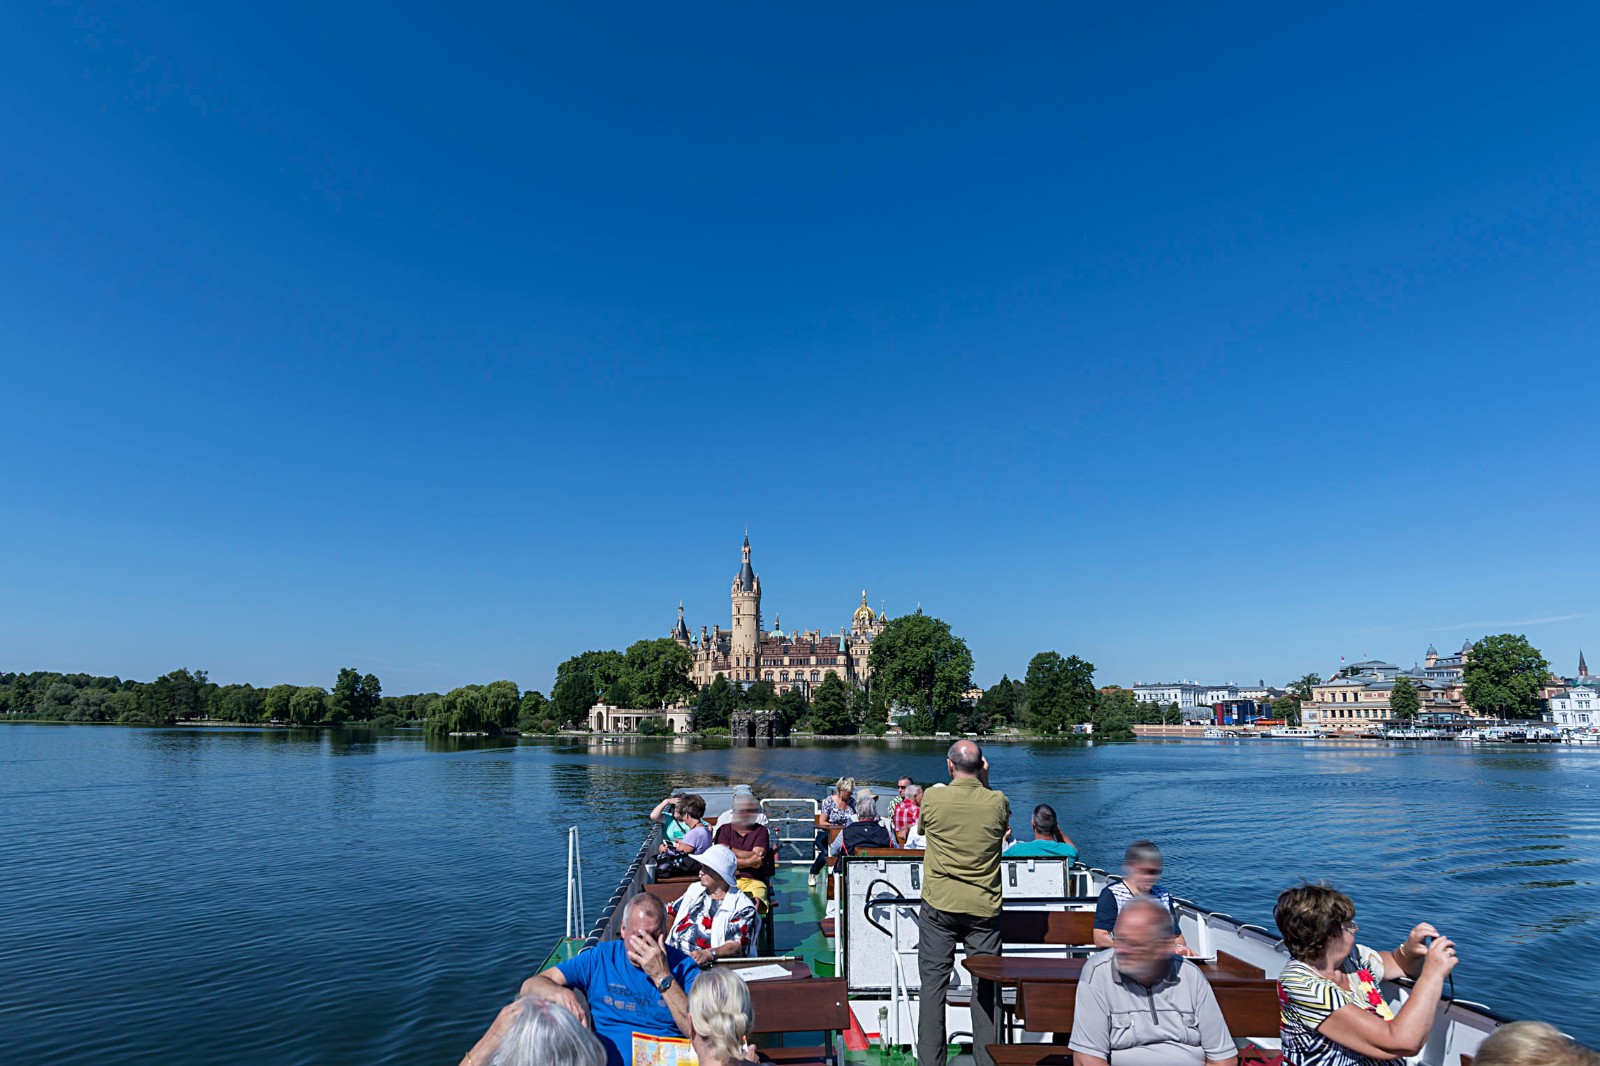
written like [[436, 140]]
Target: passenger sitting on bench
[[720, 1020], [864, 832], [1048, 839], [696, 836], [1139, 1004], [751, 844], [1141, 876], [713, 919]]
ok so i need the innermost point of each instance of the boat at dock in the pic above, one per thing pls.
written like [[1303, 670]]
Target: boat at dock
[[1293, 732], [835, 965]]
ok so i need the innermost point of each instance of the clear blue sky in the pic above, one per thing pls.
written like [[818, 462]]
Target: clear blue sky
[[448, 342]]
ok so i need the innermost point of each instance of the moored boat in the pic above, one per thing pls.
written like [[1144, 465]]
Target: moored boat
[[1294, 732]]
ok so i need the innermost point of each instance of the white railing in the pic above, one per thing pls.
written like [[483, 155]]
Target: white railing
[[576, 925], [784, 812]]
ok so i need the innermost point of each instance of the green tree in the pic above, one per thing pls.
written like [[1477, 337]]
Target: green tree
[[344, 702], [1000, 702], [1504, 674], [657, 672], [792, 706], [308, 705], [918, 662], [277, 702], [1302, 687], [1288, 709], [919, 723], [870, 713], [1403, 702], [501, 704], [1121, 701], [535, 714], [830, 707], [715, 704], [1061, 692], [580, 681], [1174, 715], [759, 695]]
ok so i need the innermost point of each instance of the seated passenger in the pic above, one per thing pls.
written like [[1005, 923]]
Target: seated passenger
[[696, 835], [1048, 839], [1139, 1004], [713, 919], [1531, 1044], [1141, 876], [865, 831], [531, 1031], [720, 1019], [635, 984], [667, 812], [1333, 1006], [907, 809], [837, 810], [751, 845]]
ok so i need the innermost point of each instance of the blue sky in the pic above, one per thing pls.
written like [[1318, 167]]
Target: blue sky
[[449, 343]]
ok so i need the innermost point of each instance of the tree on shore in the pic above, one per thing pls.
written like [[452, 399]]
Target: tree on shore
[[1504, 674], [714, 706], [830, 707], [1403, 701], [308, 705], [1174, 715], [1302, 687], [579, 682], [657, 673], [1061, 692], [919, 663], [1288, 709]]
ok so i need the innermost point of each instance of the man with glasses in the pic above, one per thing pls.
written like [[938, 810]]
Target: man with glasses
[[1140, 1005], [1141, 876]]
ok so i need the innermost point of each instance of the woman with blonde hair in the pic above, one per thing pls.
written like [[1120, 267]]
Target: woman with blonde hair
[[720, 1019], [1531, 1044], [837, 812]]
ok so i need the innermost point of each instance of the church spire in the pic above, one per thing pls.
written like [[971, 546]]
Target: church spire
[[1583, 667]]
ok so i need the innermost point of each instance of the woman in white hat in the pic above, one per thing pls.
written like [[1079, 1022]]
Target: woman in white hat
[[713, 919]]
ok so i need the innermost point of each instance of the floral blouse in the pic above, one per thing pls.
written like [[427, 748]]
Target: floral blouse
[[693, 914], [835, 814], [1307, 999]]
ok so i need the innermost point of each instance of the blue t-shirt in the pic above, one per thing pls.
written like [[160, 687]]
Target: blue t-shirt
[[622, 1000]]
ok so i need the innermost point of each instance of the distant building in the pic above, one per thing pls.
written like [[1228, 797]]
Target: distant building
[[744, 654], [1577, 708], [604, 718], [1447, 667]]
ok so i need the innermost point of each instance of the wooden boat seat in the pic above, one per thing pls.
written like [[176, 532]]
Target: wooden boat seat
[[1249, 1007], [816, 1004], [1075, 928], [667, 891]]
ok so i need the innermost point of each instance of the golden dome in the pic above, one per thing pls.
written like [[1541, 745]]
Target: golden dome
[[863, 615]]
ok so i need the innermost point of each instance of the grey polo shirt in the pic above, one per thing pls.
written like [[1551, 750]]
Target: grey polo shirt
[[1175, 1022]]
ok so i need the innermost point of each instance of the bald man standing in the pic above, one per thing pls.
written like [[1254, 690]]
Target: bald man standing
[[966, 826]]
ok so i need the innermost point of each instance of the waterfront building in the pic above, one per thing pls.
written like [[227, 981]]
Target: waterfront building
[[1186, 694], [604, 718], [1577, 707], [745, 654], [1447, 667]]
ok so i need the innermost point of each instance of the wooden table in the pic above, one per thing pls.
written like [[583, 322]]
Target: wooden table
[[1010, 971]]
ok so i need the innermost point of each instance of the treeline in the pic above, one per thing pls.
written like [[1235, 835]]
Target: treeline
[[186, 695], [189, 695]]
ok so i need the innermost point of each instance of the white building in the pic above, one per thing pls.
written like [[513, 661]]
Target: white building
[[1184, 693], [1576, 708]]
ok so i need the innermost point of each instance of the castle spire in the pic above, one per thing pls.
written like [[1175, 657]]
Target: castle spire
[[747, 575], [1583, 667]]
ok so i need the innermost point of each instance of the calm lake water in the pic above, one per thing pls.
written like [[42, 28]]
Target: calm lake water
[[286, 897]]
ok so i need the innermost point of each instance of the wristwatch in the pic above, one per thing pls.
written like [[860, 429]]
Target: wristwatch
[[665, 982]]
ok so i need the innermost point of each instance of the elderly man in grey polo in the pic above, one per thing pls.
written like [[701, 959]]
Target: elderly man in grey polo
[[1140, 1004]]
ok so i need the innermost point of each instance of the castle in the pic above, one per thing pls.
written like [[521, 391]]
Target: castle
[[744, 654]]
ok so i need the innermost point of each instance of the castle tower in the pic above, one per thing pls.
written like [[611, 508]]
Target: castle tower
[[746, 597], [680, 632], [1583, 667]]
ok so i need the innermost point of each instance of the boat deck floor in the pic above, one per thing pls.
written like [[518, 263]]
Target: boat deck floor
[[796, 929]]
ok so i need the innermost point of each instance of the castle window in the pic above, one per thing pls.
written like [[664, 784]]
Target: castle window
[[784, 676]]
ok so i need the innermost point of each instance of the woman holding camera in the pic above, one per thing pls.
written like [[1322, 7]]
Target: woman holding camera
[[1333, 1010]]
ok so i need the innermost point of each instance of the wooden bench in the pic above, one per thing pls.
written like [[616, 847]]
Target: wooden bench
[[668, 891], [1075, 928], [801, 1005], [1250, 1008]]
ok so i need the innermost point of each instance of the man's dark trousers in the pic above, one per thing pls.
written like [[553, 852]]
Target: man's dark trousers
[[938, 933]]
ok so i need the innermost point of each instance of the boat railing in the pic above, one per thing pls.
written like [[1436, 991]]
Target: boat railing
[[575, 920], [609, 925], [784, 814]]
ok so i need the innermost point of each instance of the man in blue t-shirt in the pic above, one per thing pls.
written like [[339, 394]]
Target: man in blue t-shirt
[[634, 985]]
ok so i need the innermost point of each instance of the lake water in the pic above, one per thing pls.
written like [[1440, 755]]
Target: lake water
[[351, 897]]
